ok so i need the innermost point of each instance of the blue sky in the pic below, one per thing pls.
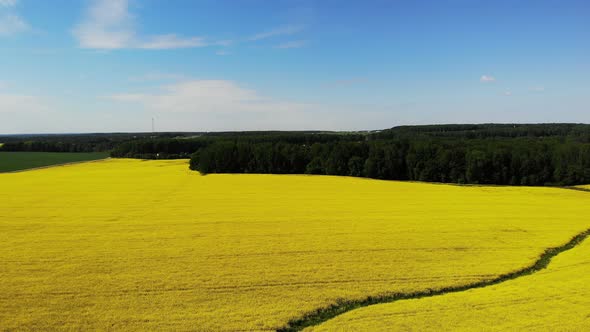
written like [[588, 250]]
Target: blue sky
[[113, 65]]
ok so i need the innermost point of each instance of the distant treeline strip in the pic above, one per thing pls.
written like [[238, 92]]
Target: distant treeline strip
[[503, 154], [42, 146], [70, 142], [174, 148]]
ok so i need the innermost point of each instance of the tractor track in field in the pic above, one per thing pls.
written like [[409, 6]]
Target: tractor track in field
[[324, 314]]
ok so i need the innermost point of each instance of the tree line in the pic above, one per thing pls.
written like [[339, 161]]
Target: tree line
[[500, 154], [72, 142], [178, 147], [504, 154], [578, 132]]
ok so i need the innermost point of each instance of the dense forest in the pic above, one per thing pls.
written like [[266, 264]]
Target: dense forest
[[548, 154], [519, 161], [505, 154]]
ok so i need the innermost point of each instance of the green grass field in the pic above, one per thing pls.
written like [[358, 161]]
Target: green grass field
[[16, 161]]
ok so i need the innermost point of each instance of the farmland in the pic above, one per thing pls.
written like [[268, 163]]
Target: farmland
[[554, 299], [136, 245], [15, 161]]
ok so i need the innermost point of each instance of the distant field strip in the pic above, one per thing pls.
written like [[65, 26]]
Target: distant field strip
[[147, 245], [553, 299], [17, 161]]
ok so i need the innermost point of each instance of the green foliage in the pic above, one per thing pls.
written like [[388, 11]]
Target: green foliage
[[496, 155]]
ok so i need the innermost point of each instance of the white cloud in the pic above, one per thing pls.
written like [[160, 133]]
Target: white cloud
[[346, 82], [171, 41], [538, 89], [8, 3], [45, 51], [156, 76], [220, 105], [508, 93], [15, 103], [292, 44], [128, 97], [23, 113], [108, 25], [222, 52], [280, 31], [487, 79], [11, 24], [226, 42], [202, 96]]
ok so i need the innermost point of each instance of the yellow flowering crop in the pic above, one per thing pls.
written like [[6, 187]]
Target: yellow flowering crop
[[146, 245], [554, 299]]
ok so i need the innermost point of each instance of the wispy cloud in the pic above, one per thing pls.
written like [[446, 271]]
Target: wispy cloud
[[12, 24], [226, 42], [537, 89], [197, 96], [204, 96], [508, 93], [346, 82], [212, 105], [8, 3], [18, 103], [108, 25], [280, 31], [222, 52], [45, 51], [171, 41], [28, 113], [292, 44], [156, 76], [487, 79], [220, 105]]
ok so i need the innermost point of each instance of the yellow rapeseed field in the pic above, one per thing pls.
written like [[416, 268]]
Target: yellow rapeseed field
[[555, 299], [146, 245]]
